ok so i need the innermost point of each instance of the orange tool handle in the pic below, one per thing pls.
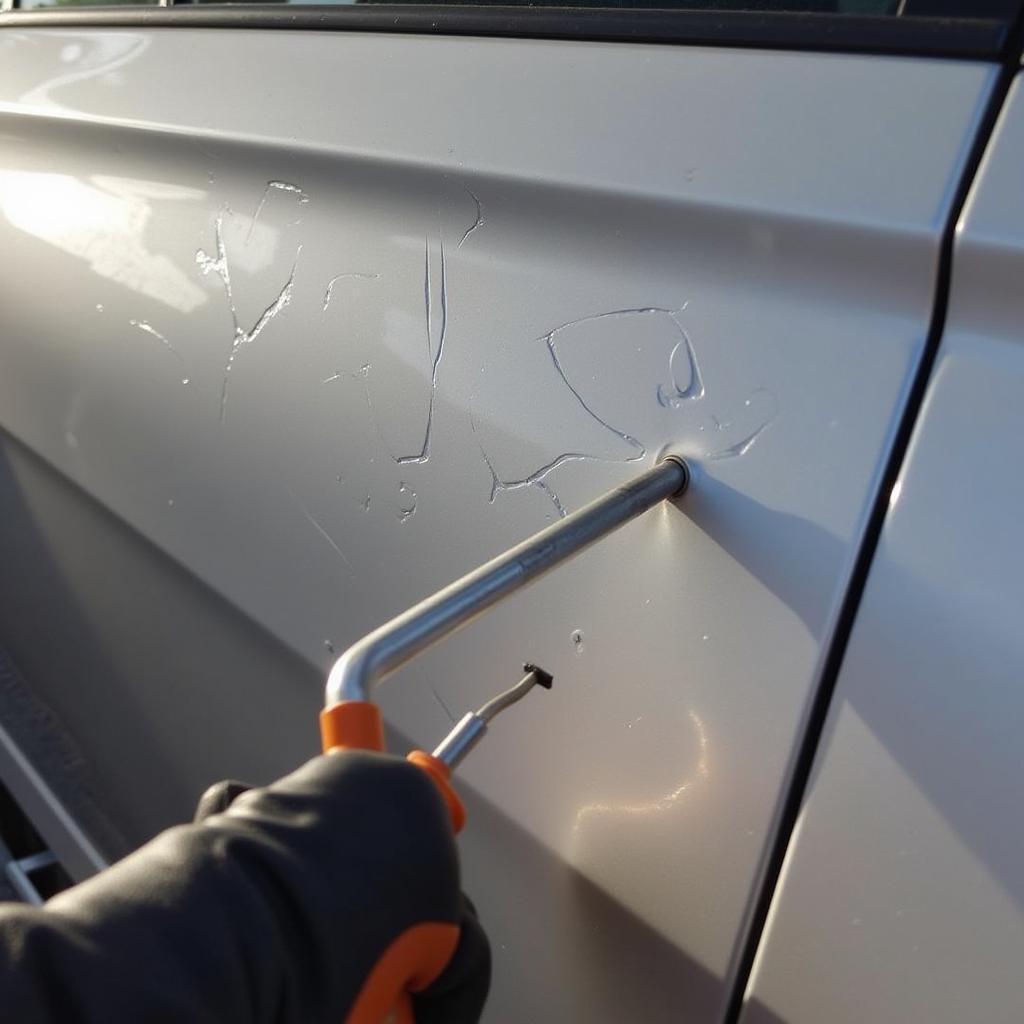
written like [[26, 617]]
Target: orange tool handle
[[358, 725], [412, 962], [418, 956]]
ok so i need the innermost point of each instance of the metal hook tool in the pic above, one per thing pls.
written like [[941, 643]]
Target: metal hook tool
[[471, 727]]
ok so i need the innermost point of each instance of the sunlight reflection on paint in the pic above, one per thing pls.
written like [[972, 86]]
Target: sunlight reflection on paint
[[894, 494], [662, 803], [99, 57], [103, 226]]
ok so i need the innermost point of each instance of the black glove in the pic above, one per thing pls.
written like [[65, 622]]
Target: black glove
[[460, 992], [273, 910]]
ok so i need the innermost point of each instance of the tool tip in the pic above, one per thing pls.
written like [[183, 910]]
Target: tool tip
[[545, 679]]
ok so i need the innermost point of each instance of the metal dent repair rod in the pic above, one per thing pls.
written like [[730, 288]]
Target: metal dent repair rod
[[419, 954], [350, 719]]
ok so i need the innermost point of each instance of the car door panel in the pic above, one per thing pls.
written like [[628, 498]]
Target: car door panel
[[330, 319], [901, 897]]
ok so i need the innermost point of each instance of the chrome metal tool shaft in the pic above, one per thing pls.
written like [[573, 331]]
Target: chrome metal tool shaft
[[470, 729], [390, 646]]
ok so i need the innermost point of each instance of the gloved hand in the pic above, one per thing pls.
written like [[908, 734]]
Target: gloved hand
[[273, 908], [459, 994]]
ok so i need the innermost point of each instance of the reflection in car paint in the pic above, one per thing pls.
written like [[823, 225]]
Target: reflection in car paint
[[105, 225], [659, 804]]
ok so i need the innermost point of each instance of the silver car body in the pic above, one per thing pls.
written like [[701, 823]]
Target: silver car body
[[299, 326]]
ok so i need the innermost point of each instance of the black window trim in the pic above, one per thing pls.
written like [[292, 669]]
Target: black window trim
[[956, 38]]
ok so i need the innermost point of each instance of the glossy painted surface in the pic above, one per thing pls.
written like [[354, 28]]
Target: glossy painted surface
[[332, 337], [903, 897]]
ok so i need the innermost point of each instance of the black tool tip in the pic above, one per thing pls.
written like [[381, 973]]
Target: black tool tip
[[545, 679]]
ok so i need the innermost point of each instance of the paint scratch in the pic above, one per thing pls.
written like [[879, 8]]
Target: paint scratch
[[672, 397], [408, 507], [343, 277], [219, 265], [434, 355], [147, 328], [280, 186], [476, 223], [741, 447], [535, 479], [440, 700], [362, 375], [538, 478], [327, 537], [549, 340]]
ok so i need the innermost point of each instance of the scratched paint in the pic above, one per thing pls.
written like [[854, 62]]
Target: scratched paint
[[681, 390], [240, 337], [331, 542], [759, 411], [275, 186], [435, 349], [350, 276], [147, 328], [477, 223], [407, 502], [673, 395], [682, 393]]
